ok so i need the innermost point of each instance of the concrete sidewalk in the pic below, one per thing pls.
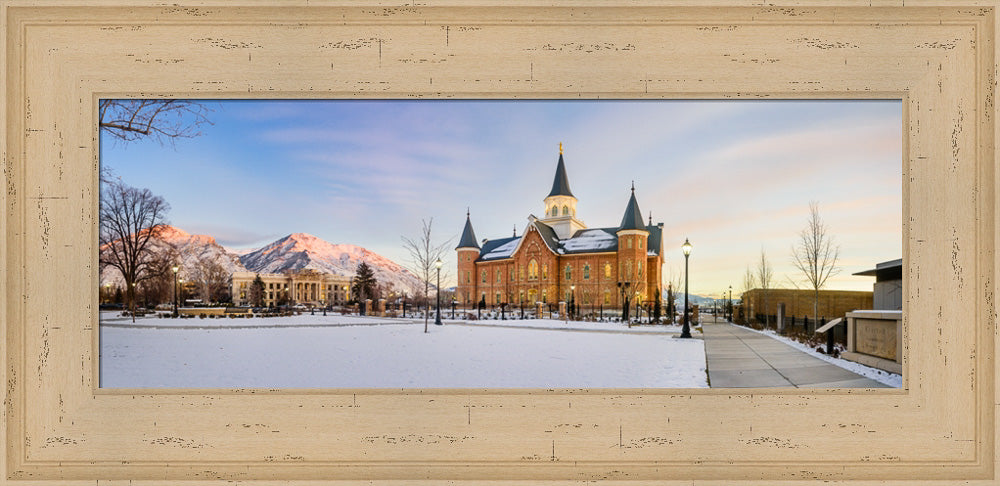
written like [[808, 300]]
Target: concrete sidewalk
[[740, 358]]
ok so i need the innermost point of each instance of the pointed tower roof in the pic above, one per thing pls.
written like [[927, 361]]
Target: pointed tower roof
[[560, 185], [632, 220], [468, 239]]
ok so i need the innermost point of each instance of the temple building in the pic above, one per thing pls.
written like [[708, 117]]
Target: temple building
[[558, 258]]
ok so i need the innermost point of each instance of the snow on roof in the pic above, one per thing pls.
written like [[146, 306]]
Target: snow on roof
[[589, 241], [503, 251]]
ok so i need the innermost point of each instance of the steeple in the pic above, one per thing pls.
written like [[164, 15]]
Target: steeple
[[560, 204], [633, 216], [560, 185], [468, 239]]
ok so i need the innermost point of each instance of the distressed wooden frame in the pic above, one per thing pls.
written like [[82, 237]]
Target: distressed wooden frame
[[60, 57]]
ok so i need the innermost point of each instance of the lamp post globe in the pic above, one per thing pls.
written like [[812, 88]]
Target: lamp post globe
[[686, 248], [437, 319]]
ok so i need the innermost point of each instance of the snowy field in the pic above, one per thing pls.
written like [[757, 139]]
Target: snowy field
[[357, 352]]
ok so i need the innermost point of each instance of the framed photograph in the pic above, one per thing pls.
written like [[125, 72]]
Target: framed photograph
[[554, 361]]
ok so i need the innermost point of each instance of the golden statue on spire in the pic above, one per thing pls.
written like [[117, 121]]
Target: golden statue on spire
[[560, 148]]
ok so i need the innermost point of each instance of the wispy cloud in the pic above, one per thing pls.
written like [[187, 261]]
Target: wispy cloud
[[732, 176]]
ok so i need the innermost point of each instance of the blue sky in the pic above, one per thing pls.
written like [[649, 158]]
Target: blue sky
[[733, 176]]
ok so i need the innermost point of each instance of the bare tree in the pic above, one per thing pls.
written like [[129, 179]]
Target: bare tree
[[765, 278], [131, 219], [164, 120], [210, 278], [423, 256], [159, 288], [674, 285], [815, 255]]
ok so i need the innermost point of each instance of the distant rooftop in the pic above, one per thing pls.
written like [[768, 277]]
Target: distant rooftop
[[884, 266]]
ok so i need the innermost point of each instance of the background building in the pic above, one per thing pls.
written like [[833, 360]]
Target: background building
[[307, 287], [888, 287], [799, 302]]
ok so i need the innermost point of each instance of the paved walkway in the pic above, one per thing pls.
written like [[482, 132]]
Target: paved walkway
[[740, 358]]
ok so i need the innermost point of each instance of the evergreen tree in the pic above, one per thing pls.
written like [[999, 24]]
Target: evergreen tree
[[656, 306], [671, 309], [364, 283], [256, 295]]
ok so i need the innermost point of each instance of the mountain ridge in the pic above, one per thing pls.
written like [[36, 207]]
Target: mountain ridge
[[295, 251]]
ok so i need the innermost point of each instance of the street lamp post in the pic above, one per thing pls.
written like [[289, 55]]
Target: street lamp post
[[175, 268], [437, 320], [730, 303], [623, 290], [686, 248]]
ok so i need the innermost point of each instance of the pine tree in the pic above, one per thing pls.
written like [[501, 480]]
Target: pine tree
[[671, 310], [256, 296], [656, 306], [364, 283]]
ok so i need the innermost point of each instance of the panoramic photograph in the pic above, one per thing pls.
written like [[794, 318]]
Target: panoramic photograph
[[500, 244]]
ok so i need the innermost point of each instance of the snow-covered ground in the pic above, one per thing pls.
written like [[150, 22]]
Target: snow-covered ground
[[878, 375], [309, 351]]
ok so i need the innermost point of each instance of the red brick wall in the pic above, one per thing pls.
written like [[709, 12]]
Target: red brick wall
[[554, 286]]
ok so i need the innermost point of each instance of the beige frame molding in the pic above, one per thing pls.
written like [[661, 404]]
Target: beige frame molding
[[60, 57]]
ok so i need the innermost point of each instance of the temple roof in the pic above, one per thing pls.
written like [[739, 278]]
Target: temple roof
[[633, 216], [591, 240], [468, 239]]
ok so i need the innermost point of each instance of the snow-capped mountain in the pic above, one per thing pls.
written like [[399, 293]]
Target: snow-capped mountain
[[301, 250], [190, 250], [293, 252]]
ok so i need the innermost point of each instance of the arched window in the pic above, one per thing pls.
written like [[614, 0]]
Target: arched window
[[569, 271], [533, 270], [628, 242], [484, 276], [565, 210], [555, 211], [640, 243], [607, 270], [498, 298], [586, 272], [468, 278], [499, 273], [545, 271], [607, 297], [521, 273], [628, 269], [639, 268], [545, 296]]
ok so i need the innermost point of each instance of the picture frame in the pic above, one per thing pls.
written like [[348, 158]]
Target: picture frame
[[60, 58]]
